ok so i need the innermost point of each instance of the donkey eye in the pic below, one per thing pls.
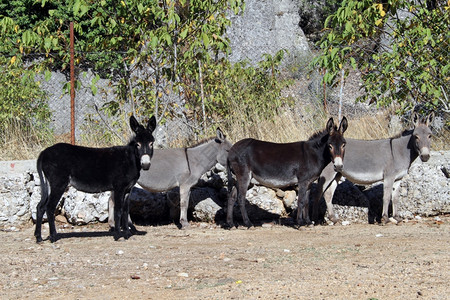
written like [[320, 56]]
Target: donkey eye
[[139, 145], [330, 146]]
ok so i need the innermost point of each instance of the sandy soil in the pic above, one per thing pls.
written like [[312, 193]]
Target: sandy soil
[[360, 261]]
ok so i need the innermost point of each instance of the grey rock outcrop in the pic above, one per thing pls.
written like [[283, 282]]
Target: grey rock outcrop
[[425, 191], [267, 26]]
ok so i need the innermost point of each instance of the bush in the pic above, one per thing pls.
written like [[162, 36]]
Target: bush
[[21, 98]]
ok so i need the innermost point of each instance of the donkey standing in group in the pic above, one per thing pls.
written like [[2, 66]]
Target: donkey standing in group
[[281, 165], [93, 170], [368, 162], [181, 167]]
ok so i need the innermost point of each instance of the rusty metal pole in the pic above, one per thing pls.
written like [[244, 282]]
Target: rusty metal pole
[[72, 88]]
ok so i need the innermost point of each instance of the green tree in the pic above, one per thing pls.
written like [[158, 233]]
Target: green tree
[[401, 48], [161, 41]]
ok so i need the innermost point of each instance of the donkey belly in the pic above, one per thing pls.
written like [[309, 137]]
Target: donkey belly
[[276, 181], [363, 177], [157, 182], [90, 186]]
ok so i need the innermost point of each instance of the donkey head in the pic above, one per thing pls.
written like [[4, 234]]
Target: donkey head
[[223, 147], [336, 142], [144, 140], [421, 136]]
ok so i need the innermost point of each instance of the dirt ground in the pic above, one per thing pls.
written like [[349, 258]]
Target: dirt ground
[[361, 261]]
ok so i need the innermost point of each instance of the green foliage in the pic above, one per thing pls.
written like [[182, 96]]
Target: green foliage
[[153, 50], [150, 48], [21, 99], [246, 92], [402, 60]]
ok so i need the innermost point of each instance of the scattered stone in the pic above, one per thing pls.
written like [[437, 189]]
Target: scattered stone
[[424, 192]]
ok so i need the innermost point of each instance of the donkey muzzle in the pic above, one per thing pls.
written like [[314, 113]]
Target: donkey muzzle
[[338, 164], [145, 162], [425, 154]]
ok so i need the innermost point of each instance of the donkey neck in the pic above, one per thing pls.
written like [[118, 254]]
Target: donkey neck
[[403, 149], [132, 149], [318, 148], [202, 157]]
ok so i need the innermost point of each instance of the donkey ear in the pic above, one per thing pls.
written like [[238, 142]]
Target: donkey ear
[[220, 136], [151, 125], [415, 119], [430, 119], [343, 126], [330, 126], [134, 124]]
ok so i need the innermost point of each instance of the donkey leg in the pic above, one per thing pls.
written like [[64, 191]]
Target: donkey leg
[[118, 210], [241, 193], [326, 178], [394, 197], [328, 195], [40, 210], [317, 195], [128, 231], [232, 195], [131, 226], [302, 215], [387, 195], [111, 216], [55, 194], [306, 208], [184, 205], [111, 212], [301, 202]]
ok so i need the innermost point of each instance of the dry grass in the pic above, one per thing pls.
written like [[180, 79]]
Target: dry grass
[[23, 141], [288, 126], [441, 141]]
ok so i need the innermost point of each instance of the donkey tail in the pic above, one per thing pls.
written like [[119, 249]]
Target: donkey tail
[[44, 181], [230, 176]]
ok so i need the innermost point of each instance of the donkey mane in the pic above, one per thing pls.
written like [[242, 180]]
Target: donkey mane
[[403, 133], [201, 142], [319, 134], [132, 141]]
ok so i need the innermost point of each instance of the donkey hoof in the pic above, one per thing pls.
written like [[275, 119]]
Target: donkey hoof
[[398, 219], [185, 225], [53, 238], [393, 220], [133, 229], [301, 223], [385, 220], [39, 240], [248, 224], [228, 225], [335, 220]]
